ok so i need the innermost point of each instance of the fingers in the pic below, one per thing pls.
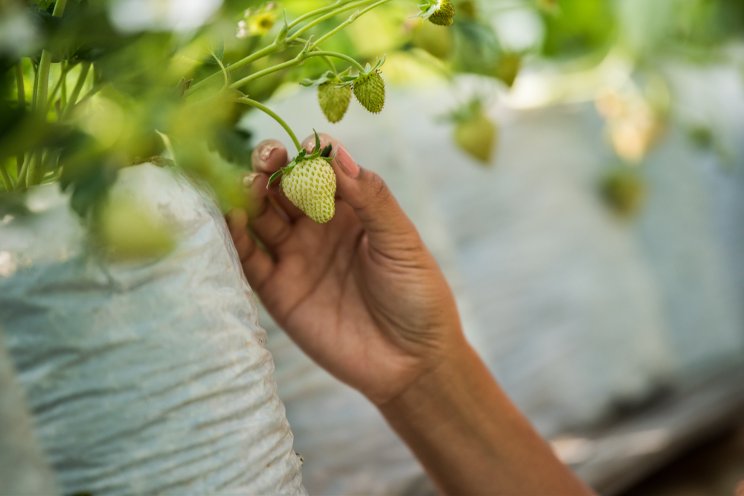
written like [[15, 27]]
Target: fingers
[[257, 264], [386, 224], [268, 157], [269, 223]]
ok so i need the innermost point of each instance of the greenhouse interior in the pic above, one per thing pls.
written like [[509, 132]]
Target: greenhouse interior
[[372, 247]]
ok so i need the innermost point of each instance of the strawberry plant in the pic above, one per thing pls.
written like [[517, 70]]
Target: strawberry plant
[[88, 87], [94, 86]]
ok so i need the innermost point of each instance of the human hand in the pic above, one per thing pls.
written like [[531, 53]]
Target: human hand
[[361, 295]]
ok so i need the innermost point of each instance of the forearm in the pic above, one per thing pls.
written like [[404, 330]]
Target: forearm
[[470, 437]]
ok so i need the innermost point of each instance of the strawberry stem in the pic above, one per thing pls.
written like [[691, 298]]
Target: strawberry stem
[[266, 110], [299, 59]]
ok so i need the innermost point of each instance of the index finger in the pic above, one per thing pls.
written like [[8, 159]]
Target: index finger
[[269, 156]]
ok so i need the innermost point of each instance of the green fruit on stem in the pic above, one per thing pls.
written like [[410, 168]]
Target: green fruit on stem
[[334, 100], [309, 182], [441, 13], [311, 186], [436, 40], [476, 135], [369, 90], [624, 192], [127, 230]]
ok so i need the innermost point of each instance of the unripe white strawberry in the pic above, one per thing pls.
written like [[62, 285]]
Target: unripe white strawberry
[[311, 186], [309, 183]]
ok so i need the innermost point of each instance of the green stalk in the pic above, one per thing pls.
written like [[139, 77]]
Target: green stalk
[[7, 180], [40, 97], [263, 108], [20, 85], [350, 60], [299, 59], [33, 169], [44, 64], [22, 104], [324, 12], [21, 180], [77, 89], [353, 17], [314, 13], [36, 84], [267, 50], [63, 96], [57, 86], [325, 17]]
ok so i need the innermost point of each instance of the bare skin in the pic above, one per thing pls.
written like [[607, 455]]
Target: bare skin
[[364, 298]]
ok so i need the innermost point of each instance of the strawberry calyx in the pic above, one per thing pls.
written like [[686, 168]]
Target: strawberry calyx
[[440, 12], [317, 152], [341, 79]]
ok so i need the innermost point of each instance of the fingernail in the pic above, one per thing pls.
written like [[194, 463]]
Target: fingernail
[[346, 163], [249, 178], [266, 152]]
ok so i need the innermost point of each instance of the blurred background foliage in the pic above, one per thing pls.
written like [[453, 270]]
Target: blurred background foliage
[[90, 86]]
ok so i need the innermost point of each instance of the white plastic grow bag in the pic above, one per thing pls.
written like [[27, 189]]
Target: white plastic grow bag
[[143, 378]]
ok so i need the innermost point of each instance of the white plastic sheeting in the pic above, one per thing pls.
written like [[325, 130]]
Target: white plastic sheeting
[[143, 378], [23, 468], [573, 310]]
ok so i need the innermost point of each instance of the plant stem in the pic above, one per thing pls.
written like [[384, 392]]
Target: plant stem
[[42, 85], [33, 169], [40, 98], [330, 63], [289, 63], [59, 8], [57, 86], [299, 59], [63, 96], [263, 108], [7, 180], [267, 50], [22, 105], [324, 54], [314, 13], [20, 85], [78, 87], [353, 17], [21, 179], [325, 13], [325, 17]]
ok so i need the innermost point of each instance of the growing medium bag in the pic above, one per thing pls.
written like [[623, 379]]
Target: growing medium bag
[[143, 377]]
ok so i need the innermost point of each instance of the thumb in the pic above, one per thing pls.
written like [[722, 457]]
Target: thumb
[[383, 219]]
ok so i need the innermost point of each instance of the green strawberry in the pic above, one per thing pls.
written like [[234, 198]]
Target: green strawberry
[[310, 183], [474, 132], [369, 90], [436, 40], [127, 230], [468, 8], [508, 68], [476, 136], [623, 191], [334, 99], [439, 12]]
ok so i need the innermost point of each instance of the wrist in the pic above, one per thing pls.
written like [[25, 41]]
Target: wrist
[[470, 438], [430, 395]]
